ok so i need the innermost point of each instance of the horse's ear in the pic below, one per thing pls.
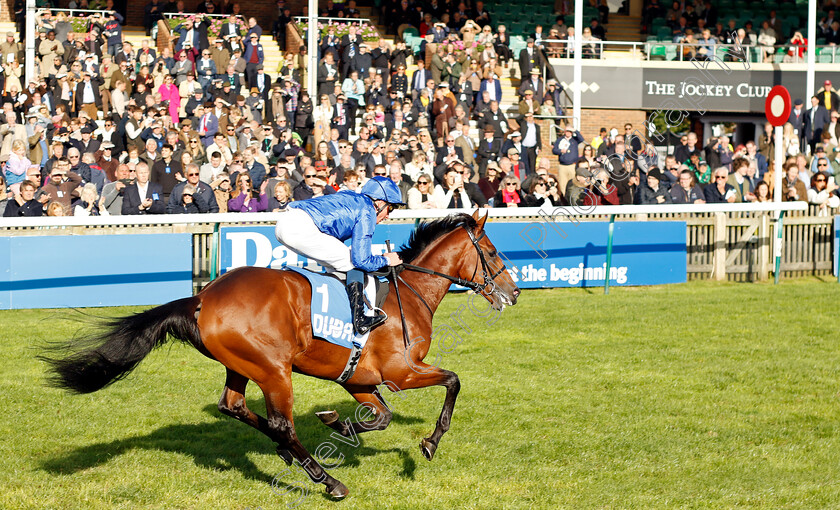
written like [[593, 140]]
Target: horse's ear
[[480, 221]]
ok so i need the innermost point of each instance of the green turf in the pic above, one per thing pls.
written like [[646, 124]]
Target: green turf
[[703, 395]]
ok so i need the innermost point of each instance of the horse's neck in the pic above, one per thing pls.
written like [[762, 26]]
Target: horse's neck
[[432, 288]]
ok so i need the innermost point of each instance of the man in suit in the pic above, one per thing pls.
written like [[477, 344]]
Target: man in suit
[[208, 123], [188, 33], [529, 58], [815, 118], [493, 87], [488, 149], [143, 197], [349, 49], [828, 97], [341, 117], [449, 152], [534, 83], [327, 76], [419, 79], [87, 97], [87, 144], [797, 119], [230, 30], [531, 144], [254, 57]]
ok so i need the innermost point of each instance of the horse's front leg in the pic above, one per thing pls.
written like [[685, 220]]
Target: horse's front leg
[[422, 375]]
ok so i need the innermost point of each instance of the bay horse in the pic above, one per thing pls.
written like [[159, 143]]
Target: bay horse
[[256, 322]]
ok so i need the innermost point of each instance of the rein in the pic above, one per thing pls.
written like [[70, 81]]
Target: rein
[[480, 288]]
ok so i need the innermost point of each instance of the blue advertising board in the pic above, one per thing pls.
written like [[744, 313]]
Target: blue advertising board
[[94, 270], [538, 254]]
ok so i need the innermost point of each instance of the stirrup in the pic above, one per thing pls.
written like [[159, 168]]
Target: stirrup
[[365, 323]]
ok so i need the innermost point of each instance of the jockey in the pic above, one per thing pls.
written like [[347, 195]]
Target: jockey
[[317, 228]]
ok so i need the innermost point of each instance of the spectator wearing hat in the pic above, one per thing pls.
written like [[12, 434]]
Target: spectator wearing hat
[[529, 58], [518, 166], [651, 191], [488, 149], [87, 144], [577, 187], [254, 56], [828, 97], [566, 148], [534, 83]]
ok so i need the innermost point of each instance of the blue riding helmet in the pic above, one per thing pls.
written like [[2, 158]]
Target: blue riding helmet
[[383, 188]]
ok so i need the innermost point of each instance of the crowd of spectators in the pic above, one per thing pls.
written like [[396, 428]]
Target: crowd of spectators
[[106, 128], [700, 26]]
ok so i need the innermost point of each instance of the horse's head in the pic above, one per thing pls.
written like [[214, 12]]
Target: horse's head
[[487, 269]]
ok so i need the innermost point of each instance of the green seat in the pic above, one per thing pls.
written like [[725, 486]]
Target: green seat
[[410, 32], [664, 34], [826, 58], [656, 53], [670, 52]]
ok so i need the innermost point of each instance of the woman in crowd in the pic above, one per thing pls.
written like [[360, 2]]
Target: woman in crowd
[[196, 149], [352, 180], [14, 170], [509, 194], [762, 192], [489, 184], [502, 45], [281, 198], [322, 116], [821, 193], [791, 140], [244, 198], [88, 204], [221, 190], [418, 165], [322, 153], [420, 195], [170, 96], [540, 194], [451, 194], [588, 155]]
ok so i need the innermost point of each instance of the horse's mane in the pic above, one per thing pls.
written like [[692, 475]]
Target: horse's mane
[[427, 232]]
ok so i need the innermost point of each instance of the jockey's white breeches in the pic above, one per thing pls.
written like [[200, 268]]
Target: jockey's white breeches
[[296, 230]]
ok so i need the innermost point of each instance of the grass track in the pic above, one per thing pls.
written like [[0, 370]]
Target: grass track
[[702, 395]]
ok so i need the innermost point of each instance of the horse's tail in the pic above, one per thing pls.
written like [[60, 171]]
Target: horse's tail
[[88, 364]]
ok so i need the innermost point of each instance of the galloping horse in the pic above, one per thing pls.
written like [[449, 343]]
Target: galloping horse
[[264, 336]]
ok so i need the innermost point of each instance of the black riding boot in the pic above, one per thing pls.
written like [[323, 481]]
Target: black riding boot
[[362, 323]]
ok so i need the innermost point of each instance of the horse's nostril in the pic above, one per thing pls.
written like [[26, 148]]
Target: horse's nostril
[[516, 293]]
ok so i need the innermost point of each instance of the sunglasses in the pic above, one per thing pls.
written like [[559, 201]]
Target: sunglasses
[[192, 175], [390, 208], [720, 177], [820, 180], [245, 179], [310, 175], [238, 161], [421, 183], [380, 174], [510, 184], [193, 141]]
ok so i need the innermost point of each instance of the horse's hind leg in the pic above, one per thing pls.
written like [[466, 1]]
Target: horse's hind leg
[[278, 403], [232, 403], [372, 401]]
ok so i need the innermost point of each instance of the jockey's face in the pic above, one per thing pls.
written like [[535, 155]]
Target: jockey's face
[[382, 210]]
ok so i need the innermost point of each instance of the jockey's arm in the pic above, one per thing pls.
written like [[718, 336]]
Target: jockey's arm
[[361, 247]]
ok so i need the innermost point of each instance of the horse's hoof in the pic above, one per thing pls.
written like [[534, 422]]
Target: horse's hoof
[[327, 417], [427, 448], [285, 455], [338, 492]]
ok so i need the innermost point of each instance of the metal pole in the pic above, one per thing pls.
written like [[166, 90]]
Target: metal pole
[[214, 252], [609, 254], [778, 161], [312, 50], [812, 46], [779, 229], [576, 91], [29, 65]]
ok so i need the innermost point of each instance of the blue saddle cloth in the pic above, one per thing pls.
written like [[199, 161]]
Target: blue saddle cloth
[[331, 317]]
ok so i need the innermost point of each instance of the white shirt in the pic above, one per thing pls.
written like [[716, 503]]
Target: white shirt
[[530, 139], [142, 190], [87, 93]]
